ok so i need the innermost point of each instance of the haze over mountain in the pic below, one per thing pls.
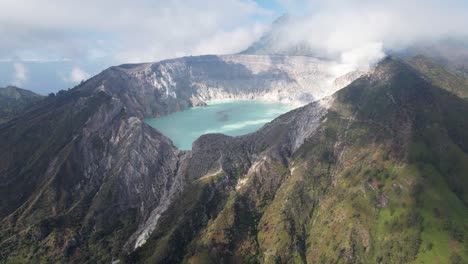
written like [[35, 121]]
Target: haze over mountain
[[56, 48], [368, 38], [370, 167]]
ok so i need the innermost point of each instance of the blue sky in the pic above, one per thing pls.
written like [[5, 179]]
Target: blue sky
[[276, 7], [48, 45]]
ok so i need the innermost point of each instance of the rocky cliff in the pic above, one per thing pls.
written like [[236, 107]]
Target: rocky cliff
[[171, 85], [86, 175]]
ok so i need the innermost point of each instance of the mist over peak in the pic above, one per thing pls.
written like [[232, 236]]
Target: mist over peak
[[358, 33]]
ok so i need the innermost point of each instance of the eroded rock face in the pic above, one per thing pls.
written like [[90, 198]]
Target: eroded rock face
[[294, 80], [274, 195], [84, 179], [215, 154], [155, 89], [89, 169]]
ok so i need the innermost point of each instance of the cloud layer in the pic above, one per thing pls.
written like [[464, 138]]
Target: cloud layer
[[359, 31], [126, 31], [50, 44]]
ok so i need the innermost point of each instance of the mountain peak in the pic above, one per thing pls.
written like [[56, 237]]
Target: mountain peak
[[14, 100]]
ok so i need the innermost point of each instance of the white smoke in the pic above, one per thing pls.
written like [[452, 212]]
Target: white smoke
[[20, 74], [77, 75]]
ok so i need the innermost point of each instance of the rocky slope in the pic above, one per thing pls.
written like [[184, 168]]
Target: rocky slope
[[361, 176], [440, 76], [86, 177], [172, 85], [14, 100], [80, 176]]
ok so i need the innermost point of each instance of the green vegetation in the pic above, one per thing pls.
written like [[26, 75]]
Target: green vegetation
[[440, 76], [384, 181]]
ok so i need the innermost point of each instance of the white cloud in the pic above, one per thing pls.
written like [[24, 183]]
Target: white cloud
[[359, 31], [230, 42], [108, 32], [77, 75], [20, 75], [125, 31]]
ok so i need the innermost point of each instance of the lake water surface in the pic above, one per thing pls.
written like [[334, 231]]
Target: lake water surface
[[233, 118]]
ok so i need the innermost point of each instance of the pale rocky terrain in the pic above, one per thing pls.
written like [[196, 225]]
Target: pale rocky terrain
[[172, 85]]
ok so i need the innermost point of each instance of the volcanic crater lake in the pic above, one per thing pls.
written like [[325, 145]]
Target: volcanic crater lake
[[232, 118]]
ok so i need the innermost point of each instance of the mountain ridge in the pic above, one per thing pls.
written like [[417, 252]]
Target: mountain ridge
[[335, 142], [104, 181]]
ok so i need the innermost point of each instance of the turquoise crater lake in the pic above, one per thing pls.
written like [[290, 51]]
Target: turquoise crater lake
[[232, 118]]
